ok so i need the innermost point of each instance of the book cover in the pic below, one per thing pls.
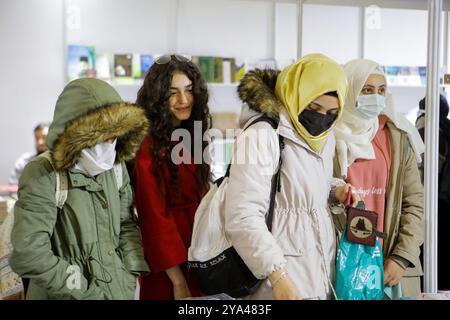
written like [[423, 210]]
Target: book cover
[[103, 66], [123, 65], [146, 63], [207, 67], [392, 73], [218, 70], [136, 66], [229, 70], [239, 70], [423, 75], [80, 62]]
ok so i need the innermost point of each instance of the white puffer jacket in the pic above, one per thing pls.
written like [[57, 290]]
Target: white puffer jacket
[[303, 238]]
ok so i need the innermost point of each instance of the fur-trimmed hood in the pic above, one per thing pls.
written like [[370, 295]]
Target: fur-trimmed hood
[[257, 90], [89, 111]]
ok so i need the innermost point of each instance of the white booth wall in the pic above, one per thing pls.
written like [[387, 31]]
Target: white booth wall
[[34, 36]]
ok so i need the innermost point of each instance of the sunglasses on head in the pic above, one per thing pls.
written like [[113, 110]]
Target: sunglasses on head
[[164, 59]]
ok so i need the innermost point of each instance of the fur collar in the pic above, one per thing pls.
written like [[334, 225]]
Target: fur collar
[[257, 89], [124, 121]]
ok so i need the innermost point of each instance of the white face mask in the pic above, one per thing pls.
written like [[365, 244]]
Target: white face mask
[[97, 159], [370, 106]]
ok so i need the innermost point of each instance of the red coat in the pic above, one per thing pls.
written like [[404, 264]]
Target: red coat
[[166, 219]]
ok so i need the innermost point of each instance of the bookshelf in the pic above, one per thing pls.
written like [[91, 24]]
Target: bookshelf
[[222, 96]]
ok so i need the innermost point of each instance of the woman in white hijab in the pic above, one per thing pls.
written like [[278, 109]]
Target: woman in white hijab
[[377, 152]]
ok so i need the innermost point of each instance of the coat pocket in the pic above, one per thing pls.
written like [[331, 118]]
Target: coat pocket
[[127, 279]]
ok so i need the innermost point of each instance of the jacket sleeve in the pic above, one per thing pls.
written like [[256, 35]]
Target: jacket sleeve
[[247, 199], [129, 240], [411, 227], [34, 222], [163, 246]]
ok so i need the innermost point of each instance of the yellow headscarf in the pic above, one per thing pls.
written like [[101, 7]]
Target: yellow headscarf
[[302, 82]]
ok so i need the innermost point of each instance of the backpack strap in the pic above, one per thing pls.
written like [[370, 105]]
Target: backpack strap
[[62, 184], [276, 186], [118, 174], [276, 180]]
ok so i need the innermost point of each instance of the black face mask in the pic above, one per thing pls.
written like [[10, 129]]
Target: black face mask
[[315, 122]]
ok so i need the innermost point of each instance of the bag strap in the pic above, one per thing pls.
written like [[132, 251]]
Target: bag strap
[[118, 174], [62, 185], [62, 182], [276, 181], [276, 186]]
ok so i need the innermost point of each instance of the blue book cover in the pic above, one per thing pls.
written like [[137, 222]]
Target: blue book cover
[[146, 63], [80, 62]]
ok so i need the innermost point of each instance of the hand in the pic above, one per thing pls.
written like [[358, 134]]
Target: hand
[[180, 287], [283, 288], [341, 194], [181, 291], [393, 273]]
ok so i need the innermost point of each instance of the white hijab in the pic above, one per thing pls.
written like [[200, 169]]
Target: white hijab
[[354, 134]]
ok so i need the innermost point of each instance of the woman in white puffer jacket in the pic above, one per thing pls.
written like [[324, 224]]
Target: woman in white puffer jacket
[[297, 258]]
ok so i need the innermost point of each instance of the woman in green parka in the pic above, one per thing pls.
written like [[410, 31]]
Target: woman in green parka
[[90, 248]]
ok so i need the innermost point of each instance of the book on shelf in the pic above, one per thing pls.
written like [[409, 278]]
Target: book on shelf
[[423, 75], [218, 70], [215, 69], [229, 70], [146, 62], [242, 67], [240, 71], [409, 76], [80, 62], [141, 64], [446, 79], [123, 68], [207, 67], [136, 66], [103, 66], [405, 75]]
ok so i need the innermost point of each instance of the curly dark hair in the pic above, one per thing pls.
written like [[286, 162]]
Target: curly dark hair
[[153, 97]]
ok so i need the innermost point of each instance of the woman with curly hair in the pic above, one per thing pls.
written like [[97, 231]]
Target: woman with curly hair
[[167, 193]]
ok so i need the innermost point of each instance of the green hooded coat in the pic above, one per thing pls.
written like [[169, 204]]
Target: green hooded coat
[[91, 248]]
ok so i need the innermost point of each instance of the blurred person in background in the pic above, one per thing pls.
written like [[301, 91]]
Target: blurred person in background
[[40, 134], [443, 186]]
